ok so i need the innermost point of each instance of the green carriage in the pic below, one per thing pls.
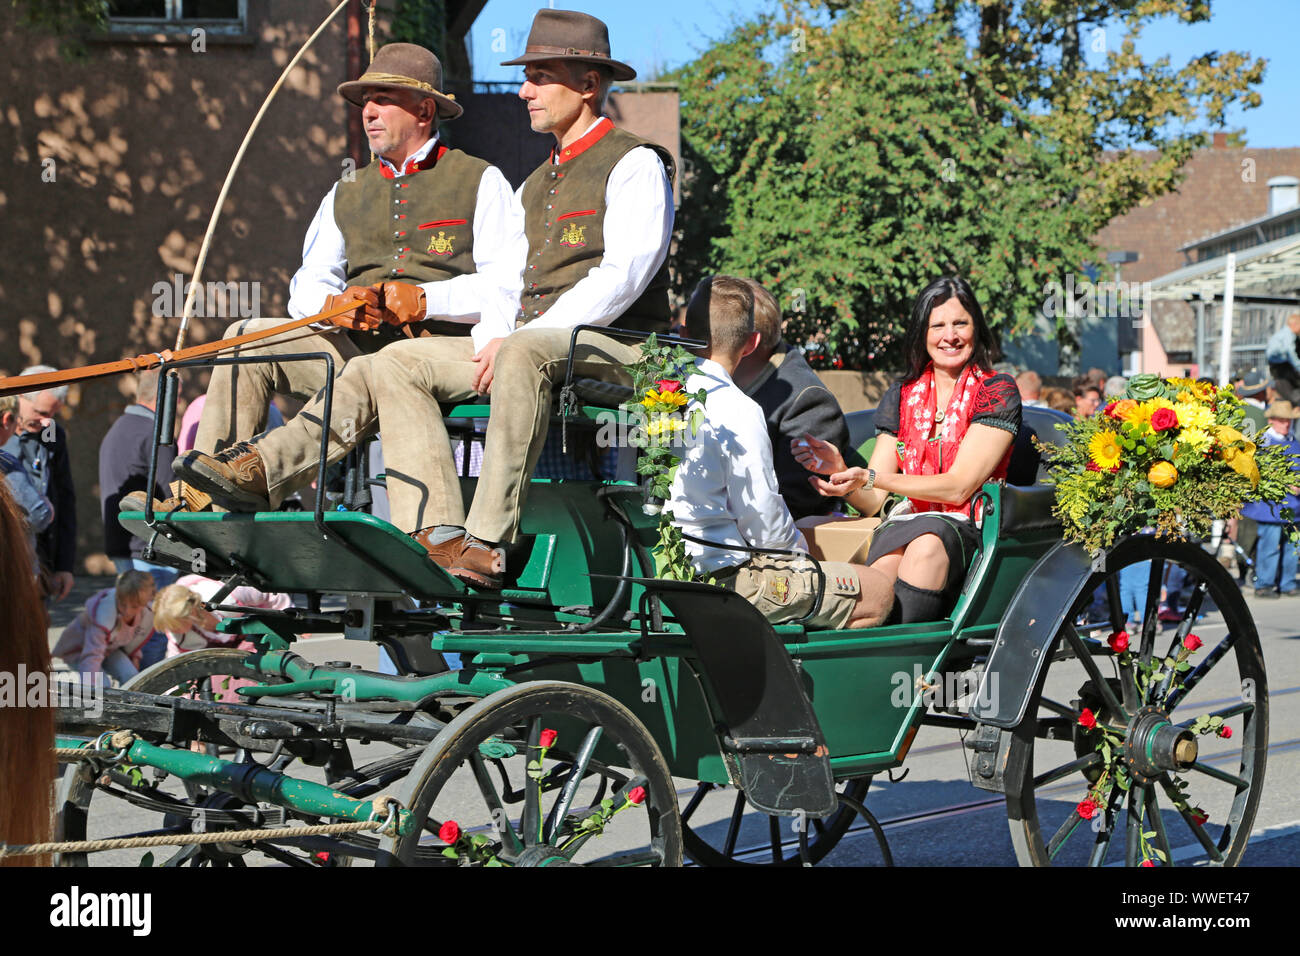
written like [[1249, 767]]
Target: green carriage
[[602, 714]]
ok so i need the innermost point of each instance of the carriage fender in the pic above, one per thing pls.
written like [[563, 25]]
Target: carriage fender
[[1027, 632]]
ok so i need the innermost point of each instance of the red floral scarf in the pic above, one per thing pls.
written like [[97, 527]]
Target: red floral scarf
[[918, 453]]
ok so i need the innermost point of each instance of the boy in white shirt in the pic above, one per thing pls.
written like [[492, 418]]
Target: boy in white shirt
[[725, 489]]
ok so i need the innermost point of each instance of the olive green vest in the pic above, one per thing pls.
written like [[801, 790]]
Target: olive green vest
[[415, 228], [564, 216]]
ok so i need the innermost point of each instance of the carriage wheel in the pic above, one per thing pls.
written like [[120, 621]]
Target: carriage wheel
[[160, 804], [1174, 774], [516, 802], [749, 837]]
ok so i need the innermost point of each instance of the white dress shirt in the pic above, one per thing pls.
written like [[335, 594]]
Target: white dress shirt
[[487, 298], [637, 228], [725, 488]]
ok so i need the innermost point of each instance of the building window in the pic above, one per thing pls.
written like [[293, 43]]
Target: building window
[[139, 16]]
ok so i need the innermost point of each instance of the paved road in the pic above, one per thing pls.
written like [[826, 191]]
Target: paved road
[[934, 816]]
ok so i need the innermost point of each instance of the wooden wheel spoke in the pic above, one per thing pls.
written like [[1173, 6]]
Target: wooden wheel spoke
[[531, 822], [1117, 616], [733, 827], [1102, 845], [501, 821], [1158, 825], [1197, 673], [1058, 708], [650, 857], [1155, 582], [1210, 771], [1063, 833], [560, 810], [1198, 831], [1133, 824], [696, 799], [1100, 683], [774, 834], [1066, 769]]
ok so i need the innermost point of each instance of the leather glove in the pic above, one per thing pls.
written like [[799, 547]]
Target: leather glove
[[369, 313], [403, 303]]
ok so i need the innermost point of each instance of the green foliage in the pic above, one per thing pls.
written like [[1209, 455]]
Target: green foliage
[[419, 21], [69, 20], [845, 154]]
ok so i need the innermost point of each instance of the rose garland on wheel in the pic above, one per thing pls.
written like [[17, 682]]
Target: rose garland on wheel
[[1170, 454]]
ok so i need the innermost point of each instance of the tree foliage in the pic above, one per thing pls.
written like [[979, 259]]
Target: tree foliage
[[845, 153]]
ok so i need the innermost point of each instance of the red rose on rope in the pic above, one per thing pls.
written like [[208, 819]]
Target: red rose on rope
[[1088, 808], [547, 740], [669, 385], [1163, 419], [1225, 732], [449, 832], [1192, 642], [1118, 642], [636, 795], [1089, 720]]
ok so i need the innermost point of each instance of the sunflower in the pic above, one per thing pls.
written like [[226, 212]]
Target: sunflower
[[673, 399], [665, 426], [1105, 450], [1142, 414]]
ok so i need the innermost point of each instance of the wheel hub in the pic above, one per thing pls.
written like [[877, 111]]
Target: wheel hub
[[1155, 746], [542, 856]]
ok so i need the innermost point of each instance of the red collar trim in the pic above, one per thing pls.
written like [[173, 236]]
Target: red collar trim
[[414, 166], [598, 132]]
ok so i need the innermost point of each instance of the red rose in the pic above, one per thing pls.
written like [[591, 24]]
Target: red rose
[[1089, 720], [449, 832], [636, 795], [1088, 808], [547, 740], [1199, 816], [1225, 731], [669, 385], [1192, 642], [1163, 419], [1118, 642], [1146, 863]]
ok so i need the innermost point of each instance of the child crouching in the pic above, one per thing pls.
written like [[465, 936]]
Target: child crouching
[[112, 633]]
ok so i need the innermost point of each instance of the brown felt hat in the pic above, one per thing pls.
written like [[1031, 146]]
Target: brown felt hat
[[403, 66], [1281, 409], [569, 35]]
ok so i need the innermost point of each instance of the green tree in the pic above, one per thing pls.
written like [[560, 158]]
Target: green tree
[[844, 154]]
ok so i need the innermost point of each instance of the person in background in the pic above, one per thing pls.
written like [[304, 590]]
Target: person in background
[[27, 762], [1030, 384], [41, 444], [1087, 397], [124, 468], [794, 402], [35, 508], [1114, 387], [179, 613], [1059, 399], [112, 632], [194, 412], [1252, 393], [1275, 558], [1283, 362]]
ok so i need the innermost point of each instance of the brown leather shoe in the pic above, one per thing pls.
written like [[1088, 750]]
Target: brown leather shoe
[[466, 558], [183, 498], [234, 477]]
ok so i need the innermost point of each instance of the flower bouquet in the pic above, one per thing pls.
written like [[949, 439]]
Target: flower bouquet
[[661, 427], [1169, 454]]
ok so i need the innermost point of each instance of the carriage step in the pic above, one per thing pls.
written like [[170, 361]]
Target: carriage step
[[769, 745]]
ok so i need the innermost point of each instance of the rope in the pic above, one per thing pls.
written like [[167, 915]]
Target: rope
[[186, 839], [370, 39], [225, 187]]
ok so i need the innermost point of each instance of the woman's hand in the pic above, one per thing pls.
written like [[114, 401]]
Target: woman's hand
[[819, 457], [842, 483]]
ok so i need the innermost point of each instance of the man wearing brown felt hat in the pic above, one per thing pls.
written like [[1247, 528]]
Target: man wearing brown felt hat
[[424, 239], [427, 241], [598, 217]]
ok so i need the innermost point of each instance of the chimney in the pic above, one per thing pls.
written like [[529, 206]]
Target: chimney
[[1220, 140], [1283, 194]]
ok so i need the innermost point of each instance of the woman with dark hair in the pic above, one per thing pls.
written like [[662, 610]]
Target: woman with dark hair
[[954, 422], [27, 764]]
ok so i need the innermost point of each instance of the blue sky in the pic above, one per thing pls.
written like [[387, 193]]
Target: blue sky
[[667, 33]]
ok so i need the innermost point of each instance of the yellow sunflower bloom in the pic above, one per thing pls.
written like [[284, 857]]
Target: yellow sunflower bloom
[[1142, 414], [674, 399], [665, 426], [1105, 449]]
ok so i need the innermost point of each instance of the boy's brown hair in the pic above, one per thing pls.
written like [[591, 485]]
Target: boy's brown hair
[[767, 316], [721, 312]]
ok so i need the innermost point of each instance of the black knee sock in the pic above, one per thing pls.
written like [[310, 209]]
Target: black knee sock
[[917, 604]]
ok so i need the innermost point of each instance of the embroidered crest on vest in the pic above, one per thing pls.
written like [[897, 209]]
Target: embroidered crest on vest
[[574, 235], [779, 589], [440, 245]]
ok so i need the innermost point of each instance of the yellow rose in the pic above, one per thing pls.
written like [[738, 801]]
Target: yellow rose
[[1162, 474]]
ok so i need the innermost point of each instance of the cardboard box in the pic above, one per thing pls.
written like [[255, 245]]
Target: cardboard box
[[837, 538]]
